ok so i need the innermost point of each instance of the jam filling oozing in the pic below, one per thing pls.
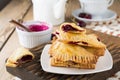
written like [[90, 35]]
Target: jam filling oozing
[[24, 59], [53, 36], [57, 33], [71, 42], [98, 39], [85, 43], [68, 27]]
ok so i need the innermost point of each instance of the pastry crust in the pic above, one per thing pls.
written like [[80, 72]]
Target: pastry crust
[[90, 40], [72, 28], [96, 51], [71, 52], [72, 64], [19, 56], [72, 47]]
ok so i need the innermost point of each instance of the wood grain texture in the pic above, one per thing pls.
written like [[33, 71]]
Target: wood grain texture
[[15, 10], [33, 70]]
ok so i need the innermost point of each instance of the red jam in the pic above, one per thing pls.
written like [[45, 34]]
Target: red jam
[[36, 27]]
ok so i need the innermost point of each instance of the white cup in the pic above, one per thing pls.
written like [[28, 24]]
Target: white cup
[[95, 7], [33, 39]]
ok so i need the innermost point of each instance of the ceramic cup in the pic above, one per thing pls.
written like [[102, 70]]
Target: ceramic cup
[[33, 39], [95, 7]]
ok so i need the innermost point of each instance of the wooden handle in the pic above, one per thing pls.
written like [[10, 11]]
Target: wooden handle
[[19, 25]]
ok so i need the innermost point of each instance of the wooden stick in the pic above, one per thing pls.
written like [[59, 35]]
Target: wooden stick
[[19, 25]]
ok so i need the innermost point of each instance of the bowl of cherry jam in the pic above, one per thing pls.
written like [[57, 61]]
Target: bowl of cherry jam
[[40, 32]]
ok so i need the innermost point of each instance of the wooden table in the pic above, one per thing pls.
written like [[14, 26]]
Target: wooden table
[[22, 9]]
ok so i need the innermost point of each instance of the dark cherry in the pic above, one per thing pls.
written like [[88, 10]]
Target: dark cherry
[[57, 33], [88, 16], [82, 15], [71, 42], [81, 23], [85, 15]]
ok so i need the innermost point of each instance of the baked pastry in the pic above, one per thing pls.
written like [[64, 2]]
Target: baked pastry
[[72, 64], [90, 40], [71, 33], [95, 51], [72, 47], [70, 52], [20, 56], [71, 28]]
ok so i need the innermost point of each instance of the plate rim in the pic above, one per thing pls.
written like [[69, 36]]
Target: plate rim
[[48, 45], [94, 20]]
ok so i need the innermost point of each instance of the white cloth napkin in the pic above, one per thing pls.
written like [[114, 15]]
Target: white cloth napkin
[[109, 27], [111, 30]]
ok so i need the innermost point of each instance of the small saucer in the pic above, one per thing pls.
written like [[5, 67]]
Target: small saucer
[[108, 15]]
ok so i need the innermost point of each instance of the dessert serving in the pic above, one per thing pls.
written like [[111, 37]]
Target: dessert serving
[[72, 47], [19, 56]]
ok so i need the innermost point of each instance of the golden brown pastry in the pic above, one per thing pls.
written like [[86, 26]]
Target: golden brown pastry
[[95, 51], [90, 40], [20, 56], [72, 47], [73, 64], [71, 28], [70, 52]]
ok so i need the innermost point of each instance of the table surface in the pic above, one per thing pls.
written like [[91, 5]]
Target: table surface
[[22, 9]]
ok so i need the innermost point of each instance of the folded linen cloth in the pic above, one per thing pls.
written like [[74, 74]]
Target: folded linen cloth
[[109, 27]]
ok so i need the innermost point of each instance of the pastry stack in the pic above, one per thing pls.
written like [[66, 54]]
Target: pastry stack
[[73, 47]]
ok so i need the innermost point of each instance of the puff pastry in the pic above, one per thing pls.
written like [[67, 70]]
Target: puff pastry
[[73, 64], [72, 47], [71, 28], [19, 56], [71, 52], [81, 39], [95, 51]]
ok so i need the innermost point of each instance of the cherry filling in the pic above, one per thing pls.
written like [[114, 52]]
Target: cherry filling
[[68, 27], [53, 36], [57, 33], [98, 39], [71, 42], [85, 15], [85, 43], [24, 59]]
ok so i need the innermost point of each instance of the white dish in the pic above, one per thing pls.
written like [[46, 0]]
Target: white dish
[[108, 15], [33, 39], [104, 63]]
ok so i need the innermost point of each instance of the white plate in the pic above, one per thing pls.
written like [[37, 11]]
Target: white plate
[[104, 63], [108, 15]]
